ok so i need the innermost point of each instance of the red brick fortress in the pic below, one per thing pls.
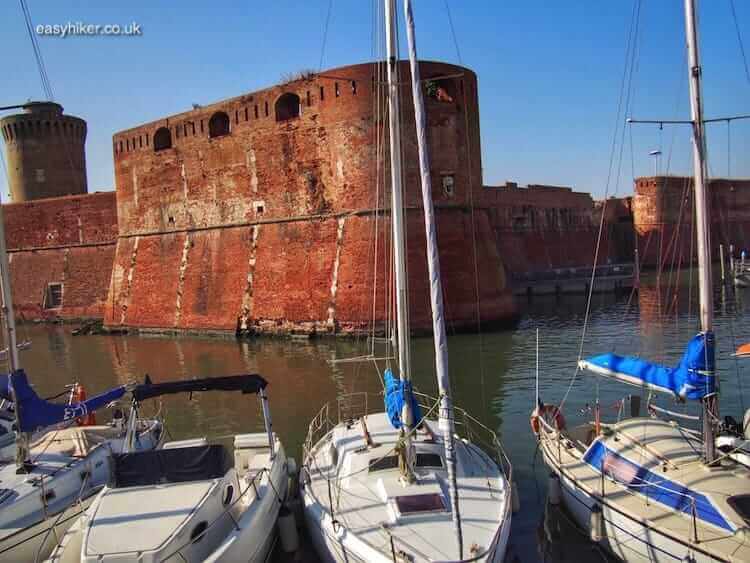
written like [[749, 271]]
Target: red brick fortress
[[61, 251], [663, 218], [261, 211]]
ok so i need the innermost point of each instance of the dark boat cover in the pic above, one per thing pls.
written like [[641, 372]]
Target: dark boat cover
[[248, 383], [179, 465]]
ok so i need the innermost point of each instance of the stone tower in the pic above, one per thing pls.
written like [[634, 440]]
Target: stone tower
[[45, 152]]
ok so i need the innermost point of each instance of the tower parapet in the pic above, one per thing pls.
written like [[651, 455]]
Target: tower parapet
[[45, 152]]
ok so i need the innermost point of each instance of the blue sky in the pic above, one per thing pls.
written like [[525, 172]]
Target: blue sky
[[549, 72]]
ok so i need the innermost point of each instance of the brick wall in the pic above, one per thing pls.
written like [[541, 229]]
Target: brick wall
[[272, 225], [663, 218], [68, 240], [541, 227]]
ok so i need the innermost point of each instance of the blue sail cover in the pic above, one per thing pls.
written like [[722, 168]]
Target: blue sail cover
[[35, 413], [396, 391], [693, 378]]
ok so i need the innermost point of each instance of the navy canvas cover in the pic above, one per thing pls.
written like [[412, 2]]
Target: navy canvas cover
[[34, 413], [247, 383], [178, 465]]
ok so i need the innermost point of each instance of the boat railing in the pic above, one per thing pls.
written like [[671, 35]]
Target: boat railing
[[469, 428], [352, 406], [636, 487], [319, 426]]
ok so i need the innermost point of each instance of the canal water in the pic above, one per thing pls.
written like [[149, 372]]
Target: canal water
[[493, 377]]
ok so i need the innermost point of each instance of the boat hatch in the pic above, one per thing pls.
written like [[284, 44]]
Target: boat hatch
[[429, 460], [741, 505], [5, 494], [391, 462], [418, 504], [383, 463]]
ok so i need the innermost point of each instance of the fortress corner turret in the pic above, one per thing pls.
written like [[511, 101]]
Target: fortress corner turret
[[45, 152]]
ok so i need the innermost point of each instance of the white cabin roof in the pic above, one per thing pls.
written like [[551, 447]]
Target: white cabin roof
[[139, 519]]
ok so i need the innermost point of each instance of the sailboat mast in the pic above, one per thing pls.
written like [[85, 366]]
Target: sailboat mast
[[9, 321], [9, 331], [436, 287], [703, 231], [397, 204]]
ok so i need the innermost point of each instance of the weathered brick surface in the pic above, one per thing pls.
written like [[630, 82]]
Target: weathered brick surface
[[279, 215], [68, 240], [543, 227], [214, 277], [154, 281], [663, 218]]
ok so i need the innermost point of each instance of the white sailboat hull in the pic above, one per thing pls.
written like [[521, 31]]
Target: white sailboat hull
[[27, 544], [343, 546], [635, 527], [32, 521], [367, 523], [624, 537]]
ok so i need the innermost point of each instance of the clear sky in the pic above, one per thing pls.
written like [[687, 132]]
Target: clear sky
[[549, 72]]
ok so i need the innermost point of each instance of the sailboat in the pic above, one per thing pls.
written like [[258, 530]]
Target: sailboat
[[60, 465], [649, 489], [400, 485], [734, 439], [191, 500]]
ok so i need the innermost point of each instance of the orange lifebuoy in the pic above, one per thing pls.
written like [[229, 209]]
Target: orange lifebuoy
[[551, 414], [78, 396]]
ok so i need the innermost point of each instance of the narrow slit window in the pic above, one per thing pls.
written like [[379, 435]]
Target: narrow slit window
[[336, 89], [307, 98], [354, 87], [266, 107], [256, 111], [245, 114], [322, 94]]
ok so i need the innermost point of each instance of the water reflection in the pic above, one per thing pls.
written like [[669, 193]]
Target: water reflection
[[493, 376]]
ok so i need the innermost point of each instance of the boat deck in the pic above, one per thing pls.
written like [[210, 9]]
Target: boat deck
[[369, 500], [654, 473]]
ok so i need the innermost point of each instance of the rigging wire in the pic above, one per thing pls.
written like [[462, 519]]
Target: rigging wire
[[624, 85], [325, 35], [739, 40], [453, 33], [46, 85]]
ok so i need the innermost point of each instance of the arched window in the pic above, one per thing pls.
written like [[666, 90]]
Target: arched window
[[287, 107], [162, 139], [218, 125]]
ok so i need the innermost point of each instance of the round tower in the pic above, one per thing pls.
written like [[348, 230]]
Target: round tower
[[45, 152]]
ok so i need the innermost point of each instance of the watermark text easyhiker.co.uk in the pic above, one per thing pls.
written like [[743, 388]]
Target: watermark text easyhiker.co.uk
[[81, 29]]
